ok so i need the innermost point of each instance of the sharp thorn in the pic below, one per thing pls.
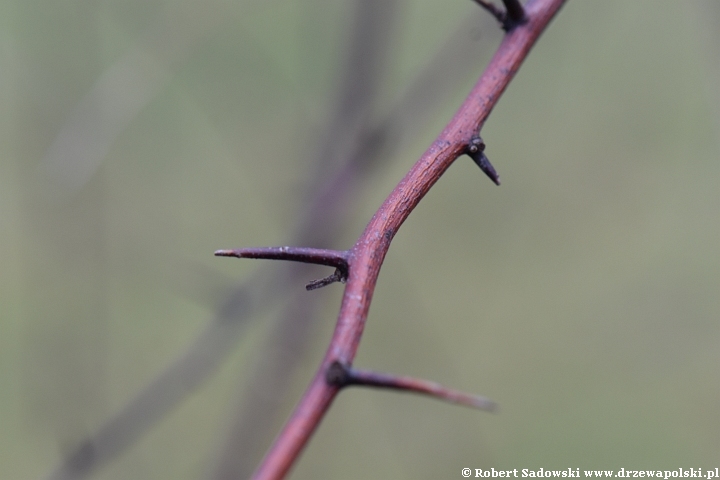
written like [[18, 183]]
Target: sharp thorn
[[483, 162]]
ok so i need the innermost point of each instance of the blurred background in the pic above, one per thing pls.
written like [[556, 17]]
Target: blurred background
[[583, 295]]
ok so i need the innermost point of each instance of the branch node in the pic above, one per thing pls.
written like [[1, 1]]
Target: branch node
[[476, 151], [338, 374]]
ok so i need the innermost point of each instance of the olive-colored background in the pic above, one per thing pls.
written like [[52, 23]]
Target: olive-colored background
[[583, 294]]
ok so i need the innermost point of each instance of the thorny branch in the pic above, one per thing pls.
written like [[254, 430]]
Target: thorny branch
[[364, 259], [316, 225], [368, 252]]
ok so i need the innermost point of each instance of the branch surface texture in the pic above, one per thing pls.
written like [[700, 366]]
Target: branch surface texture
[[364, 259]]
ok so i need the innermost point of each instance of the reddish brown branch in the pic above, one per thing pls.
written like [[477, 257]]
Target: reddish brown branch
[[344, 376], [367, 255]]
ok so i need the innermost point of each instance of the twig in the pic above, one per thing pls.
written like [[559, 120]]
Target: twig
[[345, 376], [369, 251], [317, 256], [476, 151], [377, 139]]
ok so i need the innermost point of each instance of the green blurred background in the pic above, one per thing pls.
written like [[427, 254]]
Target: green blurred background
[[583, 295]]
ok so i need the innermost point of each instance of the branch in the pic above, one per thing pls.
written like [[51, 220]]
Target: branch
[[369, 251], [376, 139], [344, 376]]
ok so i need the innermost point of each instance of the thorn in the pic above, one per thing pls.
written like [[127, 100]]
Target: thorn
[[482, 161], [476, 151], [342, 376], [317, 256]]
